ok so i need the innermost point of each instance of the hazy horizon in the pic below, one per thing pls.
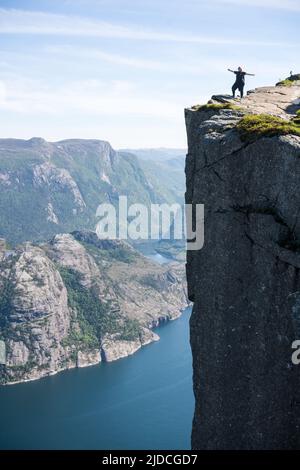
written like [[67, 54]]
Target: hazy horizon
[[121, 149]]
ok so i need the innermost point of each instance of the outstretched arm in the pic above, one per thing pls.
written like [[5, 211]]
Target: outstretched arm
[[229, 70], [251, 74]]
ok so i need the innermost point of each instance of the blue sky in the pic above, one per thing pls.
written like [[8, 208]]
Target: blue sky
[[123, 70]]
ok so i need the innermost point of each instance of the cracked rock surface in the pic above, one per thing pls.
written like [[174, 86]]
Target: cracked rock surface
[[280, 101], [245, 282]]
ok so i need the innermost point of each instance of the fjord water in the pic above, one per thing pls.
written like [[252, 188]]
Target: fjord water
[[144, 401]]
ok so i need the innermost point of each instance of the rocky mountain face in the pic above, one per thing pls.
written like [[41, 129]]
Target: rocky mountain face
[[78, 300], [245, 281], [48, 188]]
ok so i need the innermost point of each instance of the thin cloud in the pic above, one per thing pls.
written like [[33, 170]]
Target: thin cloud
[[15, 21], [69, 51], [88, 97], [98, 54], [203, 66], [290, 5]]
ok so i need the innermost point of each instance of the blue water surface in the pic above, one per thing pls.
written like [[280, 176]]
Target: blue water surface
[[144, 401]]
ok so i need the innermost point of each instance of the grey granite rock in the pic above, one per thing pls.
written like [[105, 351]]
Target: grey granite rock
[[245, 282]]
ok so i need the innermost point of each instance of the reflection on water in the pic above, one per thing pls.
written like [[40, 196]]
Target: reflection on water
[[144, 401]]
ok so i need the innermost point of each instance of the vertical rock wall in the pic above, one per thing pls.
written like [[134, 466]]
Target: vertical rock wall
[[245, 285]]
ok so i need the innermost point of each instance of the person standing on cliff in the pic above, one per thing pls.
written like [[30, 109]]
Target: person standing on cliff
[[239, 81]]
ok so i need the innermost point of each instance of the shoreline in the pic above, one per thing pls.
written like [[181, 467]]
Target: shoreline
[[155, 337]]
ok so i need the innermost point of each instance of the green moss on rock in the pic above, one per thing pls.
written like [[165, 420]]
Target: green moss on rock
[[290, 81], [296, 120], [286, 82], [254, 126]]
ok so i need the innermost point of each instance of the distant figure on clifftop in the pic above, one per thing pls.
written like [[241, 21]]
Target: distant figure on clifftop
[[239, 81]]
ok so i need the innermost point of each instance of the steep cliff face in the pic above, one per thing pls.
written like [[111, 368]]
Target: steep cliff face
[[245, 282], [78, 300]]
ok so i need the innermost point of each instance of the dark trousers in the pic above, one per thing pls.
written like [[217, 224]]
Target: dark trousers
[[238, 86]]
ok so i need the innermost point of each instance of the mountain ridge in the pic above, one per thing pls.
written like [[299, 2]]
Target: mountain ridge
[[47, 188]]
